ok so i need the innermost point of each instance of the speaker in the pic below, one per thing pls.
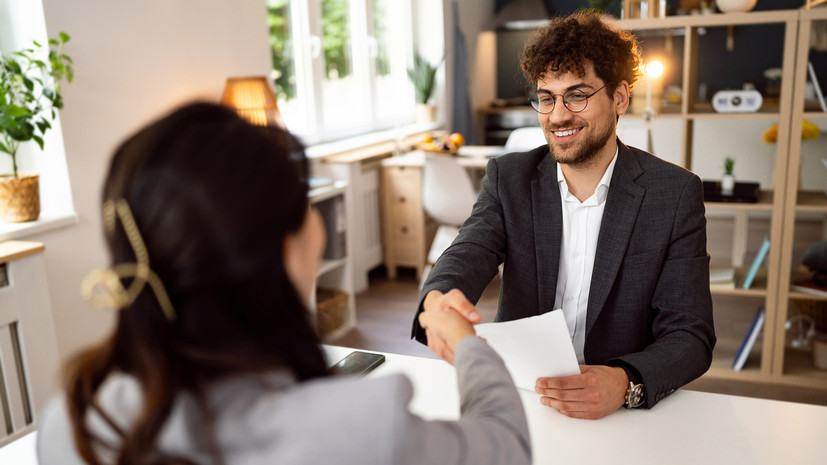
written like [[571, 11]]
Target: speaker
[[737, 101]]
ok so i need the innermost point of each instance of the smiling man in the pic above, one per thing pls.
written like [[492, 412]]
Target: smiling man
[[611, 235]]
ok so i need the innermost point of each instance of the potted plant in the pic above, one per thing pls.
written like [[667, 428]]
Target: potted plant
[[423, 77], [29, 99], [728, 181]]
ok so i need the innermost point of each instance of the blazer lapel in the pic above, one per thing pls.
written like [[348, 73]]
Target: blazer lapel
[[548, 231], [619, 216]]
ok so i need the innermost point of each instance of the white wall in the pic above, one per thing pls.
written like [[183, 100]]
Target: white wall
[[133, 62]]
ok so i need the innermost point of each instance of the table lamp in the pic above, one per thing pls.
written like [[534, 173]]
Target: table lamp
[[253, 99], [653, 70]]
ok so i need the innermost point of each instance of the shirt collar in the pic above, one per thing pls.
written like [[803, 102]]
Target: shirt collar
[[600, 193]]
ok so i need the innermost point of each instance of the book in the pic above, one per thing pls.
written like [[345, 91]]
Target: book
[[749, 340], [809, 287], [759, 259], [722, 278], [817, 87]]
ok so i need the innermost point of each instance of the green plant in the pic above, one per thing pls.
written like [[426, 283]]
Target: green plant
[[729, 165], [423, 76], [30, 93]]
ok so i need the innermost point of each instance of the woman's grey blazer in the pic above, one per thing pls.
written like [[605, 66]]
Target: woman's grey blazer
[[274, 420], [649, 307]]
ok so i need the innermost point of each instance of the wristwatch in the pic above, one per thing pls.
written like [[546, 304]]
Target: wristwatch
[[634, 395]]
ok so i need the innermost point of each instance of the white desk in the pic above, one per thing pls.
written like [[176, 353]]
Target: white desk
[[686, 428]]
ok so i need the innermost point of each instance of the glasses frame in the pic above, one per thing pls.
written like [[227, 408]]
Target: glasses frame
[[563, 97]]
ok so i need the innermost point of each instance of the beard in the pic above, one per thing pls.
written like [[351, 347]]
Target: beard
[[588, 149]]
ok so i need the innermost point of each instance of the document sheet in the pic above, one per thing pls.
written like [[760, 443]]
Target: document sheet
[[534, 347]]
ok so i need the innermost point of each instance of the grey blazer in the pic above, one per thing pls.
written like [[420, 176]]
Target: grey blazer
[[272, 420], [649, 310]]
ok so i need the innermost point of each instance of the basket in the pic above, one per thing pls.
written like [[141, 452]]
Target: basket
[[815, 309], [19, 198], [331, 310]]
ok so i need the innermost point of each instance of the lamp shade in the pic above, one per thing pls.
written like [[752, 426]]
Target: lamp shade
[[253, 99]]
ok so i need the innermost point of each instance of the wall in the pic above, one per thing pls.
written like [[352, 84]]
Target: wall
[[134, 61], [474, 15]]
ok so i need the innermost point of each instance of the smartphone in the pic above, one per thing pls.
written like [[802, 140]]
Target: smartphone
[[357, 363]]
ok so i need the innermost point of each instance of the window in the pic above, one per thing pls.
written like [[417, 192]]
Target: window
[[339, 65]]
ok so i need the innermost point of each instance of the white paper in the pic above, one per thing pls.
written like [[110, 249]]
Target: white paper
[[534, 347]]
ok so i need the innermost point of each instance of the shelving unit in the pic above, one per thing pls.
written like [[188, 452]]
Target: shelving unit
[[337, 273], [782, 203], [791, 365]]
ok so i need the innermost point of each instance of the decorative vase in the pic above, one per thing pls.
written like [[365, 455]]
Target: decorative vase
[[19, 198], [735, 6], [425, 113], [727, 184]]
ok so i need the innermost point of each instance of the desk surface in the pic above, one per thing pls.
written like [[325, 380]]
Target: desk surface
[[686, 428], [473, 156]]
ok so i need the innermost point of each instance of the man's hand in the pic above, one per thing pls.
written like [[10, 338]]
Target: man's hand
[[453, 301], [448, 326], [596, 392]]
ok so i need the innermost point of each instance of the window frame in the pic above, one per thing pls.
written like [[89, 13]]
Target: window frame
[[306, 30]]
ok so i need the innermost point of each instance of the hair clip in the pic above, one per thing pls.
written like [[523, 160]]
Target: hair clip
[[103, 288]]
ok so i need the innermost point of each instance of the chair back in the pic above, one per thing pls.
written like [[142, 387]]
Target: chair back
[[447, 192], [524, 139]]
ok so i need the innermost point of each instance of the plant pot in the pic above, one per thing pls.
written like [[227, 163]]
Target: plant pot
[[19, 198], [727, 184], [425, 113]]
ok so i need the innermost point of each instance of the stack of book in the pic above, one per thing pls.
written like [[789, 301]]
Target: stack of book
[[809, 286], [721, 278]]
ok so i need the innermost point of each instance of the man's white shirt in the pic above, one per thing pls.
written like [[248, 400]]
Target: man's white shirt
[[581, 226]]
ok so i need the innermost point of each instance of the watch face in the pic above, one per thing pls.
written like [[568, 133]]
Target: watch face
[[636, 396]]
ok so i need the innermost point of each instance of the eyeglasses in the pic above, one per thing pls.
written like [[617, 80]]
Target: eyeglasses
[[574, 100]]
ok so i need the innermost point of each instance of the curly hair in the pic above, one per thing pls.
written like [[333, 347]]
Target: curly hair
[[567, 43]]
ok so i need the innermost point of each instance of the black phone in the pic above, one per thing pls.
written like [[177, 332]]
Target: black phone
[[357, 363]]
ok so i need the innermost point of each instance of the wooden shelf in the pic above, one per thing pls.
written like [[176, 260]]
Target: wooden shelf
[[757, 289], [800, 371], [811, 201], [724, 355], [713, 20], [765, 200], [702, 110], [770, 361]]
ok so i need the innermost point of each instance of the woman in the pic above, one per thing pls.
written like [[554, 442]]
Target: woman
[[214, 251]]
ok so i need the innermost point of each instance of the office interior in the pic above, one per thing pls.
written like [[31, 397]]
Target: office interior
[[138, 60]]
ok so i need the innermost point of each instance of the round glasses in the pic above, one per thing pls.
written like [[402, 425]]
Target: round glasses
[[574, 100]]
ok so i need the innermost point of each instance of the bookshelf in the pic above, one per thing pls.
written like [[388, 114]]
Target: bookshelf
[[778, 204]]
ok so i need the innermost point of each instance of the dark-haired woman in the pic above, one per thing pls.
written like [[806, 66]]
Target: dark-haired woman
[[213, 361]]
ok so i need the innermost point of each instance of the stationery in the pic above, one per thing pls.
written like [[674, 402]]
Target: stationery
[[534, 347]]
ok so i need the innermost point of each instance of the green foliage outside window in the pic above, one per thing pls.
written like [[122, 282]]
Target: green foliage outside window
[[281, 46], [336, 38], [335, 42]]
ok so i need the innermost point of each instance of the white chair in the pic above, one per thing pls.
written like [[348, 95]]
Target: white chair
[[524, 139], [448, 197]]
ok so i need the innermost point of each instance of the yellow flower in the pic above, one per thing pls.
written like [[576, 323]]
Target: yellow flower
[[809, 131], [771, 134]]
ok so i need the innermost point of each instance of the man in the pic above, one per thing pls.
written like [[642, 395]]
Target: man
[[612, 235]]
